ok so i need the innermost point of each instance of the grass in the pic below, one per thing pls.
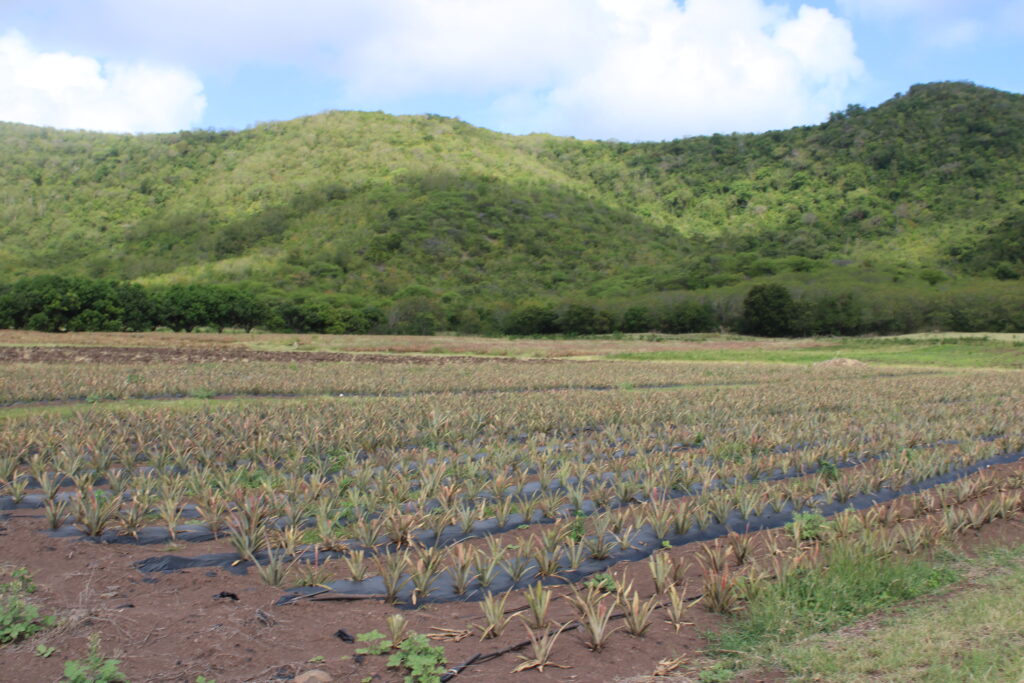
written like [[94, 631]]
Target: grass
[[852, 584], [973, 635], [957, 352]]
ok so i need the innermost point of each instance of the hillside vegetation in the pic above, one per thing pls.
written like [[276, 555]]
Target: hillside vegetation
[[918, 200]]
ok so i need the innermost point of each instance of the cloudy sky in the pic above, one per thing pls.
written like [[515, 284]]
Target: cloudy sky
[[623, 69]]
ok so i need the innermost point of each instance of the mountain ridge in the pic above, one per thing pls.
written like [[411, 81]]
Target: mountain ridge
[[366, 205]]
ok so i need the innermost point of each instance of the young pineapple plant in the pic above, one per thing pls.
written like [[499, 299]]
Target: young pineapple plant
[[495, 616], [95, 510], [595, 613], [661, 568], [424, 570], [721, 592], [355, 560], [675, 608], [637, 612], [248, 525], [538, 600], [391, 567]]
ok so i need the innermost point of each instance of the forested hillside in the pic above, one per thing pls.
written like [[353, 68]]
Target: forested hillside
[[920, 199]]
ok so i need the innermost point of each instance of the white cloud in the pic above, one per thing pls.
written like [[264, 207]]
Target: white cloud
[[630, 69], [69, 91]]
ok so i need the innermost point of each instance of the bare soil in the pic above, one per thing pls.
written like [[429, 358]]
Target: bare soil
[[385, 344], [171, 627], [146, 355]]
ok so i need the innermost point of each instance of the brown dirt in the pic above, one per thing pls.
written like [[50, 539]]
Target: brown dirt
[[136, 356], [173, 629], [839, 363], [441, 344]]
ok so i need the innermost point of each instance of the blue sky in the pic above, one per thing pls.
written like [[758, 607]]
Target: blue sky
[[623, 69]]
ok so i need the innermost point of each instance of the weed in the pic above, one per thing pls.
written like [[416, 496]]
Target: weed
[[718, 673], [423, 662], [18, 618], [378, 643], [602, 582], [849, 582], [94, 668], [808, 526]]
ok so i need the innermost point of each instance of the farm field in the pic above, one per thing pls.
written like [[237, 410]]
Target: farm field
[[241, 507]]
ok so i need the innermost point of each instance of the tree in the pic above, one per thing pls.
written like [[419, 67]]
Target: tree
[[769, 311], [579, 319], [636, 319], [687, 316], [532, 319]]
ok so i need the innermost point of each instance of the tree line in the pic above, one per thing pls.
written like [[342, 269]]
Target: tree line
[[54, 303]]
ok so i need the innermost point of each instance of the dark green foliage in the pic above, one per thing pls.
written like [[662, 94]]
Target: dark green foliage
[[687, 316], [579, 319], [51, 303], [532, 319], [418, 314], [769, 311], [831, 314], [636, 319]]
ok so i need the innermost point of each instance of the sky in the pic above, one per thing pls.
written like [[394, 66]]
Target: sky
[[605, 69]]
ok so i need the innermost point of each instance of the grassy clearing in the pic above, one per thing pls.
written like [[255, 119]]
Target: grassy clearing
[[851, 582], [972, 635], [961, 352], [975, 635]]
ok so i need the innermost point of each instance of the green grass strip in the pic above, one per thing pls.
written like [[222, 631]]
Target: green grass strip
[[974, 635], [968, 354], [850, 582]]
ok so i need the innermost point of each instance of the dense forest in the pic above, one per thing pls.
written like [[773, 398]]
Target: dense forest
[[905, 216]]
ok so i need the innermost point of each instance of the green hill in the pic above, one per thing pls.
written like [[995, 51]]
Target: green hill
[[926, 188]]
